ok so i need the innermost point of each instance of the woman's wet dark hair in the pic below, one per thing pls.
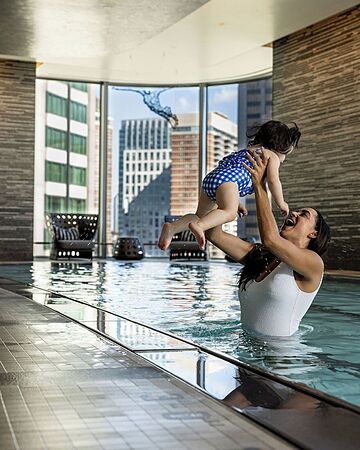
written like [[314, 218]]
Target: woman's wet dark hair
[[259, 257], [275, 135], [321, 242]]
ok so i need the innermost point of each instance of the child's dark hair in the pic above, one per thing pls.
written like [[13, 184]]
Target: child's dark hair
[[275, 135], [259, 257]]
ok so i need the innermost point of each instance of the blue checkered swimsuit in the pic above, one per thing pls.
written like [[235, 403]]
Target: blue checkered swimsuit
[[229, 168]]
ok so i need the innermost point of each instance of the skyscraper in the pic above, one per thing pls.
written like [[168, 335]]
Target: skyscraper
[[255, 108], [221, 140], [144, 179]]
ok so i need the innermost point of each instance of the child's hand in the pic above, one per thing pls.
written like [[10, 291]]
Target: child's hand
[[284, 208], [242, 211]]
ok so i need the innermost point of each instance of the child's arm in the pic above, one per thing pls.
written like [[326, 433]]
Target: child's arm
[[274, 183]]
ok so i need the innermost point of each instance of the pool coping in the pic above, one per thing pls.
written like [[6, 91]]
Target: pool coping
[[265, 420]]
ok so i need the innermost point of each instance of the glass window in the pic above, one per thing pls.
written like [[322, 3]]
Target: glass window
[[78, 176], [55, 138], [78, 144], [140, 129], [79, 86], [57, 196], [222, 136], [77, 205], [55, 172], [55, 204], [56, 104], [78, 112]]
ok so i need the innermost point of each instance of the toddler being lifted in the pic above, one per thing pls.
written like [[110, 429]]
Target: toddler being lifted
[[222, 188]]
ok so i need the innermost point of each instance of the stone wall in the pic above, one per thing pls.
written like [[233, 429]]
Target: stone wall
[[17, 124], [316, 82]]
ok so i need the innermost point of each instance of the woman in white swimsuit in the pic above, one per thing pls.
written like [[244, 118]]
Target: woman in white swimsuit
[[282, 275]]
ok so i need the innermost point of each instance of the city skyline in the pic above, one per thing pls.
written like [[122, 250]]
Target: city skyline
[[222, 98]]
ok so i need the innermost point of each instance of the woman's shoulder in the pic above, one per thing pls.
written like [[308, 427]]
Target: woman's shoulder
[[310, 282]]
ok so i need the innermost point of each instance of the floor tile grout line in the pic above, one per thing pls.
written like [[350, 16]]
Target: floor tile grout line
[[13, 435]]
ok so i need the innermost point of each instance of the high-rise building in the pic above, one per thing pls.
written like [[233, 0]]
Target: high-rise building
[[185, 165], [255, 108], [65, 144], [221, 140], [144, 179]]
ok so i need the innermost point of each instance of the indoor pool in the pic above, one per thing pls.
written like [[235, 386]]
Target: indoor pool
[[199, 302]]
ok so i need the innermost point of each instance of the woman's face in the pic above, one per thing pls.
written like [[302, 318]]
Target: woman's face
[[300, 225]]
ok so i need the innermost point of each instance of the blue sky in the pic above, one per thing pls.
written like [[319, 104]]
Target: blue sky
[[129, 105]]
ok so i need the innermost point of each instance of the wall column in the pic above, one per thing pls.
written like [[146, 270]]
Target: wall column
[[17, 136]]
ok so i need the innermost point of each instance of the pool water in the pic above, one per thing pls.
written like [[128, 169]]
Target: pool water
[[199, 302]]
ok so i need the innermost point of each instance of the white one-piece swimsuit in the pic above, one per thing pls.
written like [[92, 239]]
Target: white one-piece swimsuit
[[275, 305]]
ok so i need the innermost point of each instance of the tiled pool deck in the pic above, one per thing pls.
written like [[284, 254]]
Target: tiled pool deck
[[75, 376], [62, 386]]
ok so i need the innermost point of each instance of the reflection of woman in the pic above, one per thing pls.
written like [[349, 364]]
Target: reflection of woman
[[281, 276], [291, 356], [255, 390]]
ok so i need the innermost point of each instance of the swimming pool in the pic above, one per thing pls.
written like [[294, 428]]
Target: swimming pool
[[199, 302]]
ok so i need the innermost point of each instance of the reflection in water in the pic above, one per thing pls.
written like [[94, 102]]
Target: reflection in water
[[283, 354], [199, 302]]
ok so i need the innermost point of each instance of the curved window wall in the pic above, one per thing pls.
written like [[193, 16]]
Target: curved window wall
[[153, 168]]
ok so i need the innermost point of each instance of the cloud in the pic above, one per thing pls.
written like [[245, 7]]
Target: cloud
[[183, 104], [226, 94]]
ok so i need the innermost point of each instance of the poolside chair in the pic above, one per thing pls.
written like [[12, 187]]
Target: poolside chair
[[72, 235], [128, 248], [184, 245]]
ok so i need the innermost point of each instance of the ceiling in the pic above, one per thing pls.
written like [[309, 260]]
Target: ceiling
[[154, 41]]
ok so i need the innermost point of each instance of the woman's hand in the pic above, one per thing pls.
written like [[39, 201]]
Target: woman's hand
[[259, 163]]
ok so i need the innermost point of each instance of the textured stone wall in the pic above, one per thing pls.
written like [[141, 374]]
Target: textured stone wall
[[17, 123], [316, 82]]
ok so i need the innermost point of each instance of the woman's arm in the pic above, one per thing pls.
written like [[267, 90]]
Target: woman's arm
[[303, 261], [228, 243]]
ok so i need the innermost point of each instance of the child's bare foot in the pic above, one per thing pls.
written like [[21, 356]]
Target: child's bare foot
[[242, 211], [165, 236], [198, 233]]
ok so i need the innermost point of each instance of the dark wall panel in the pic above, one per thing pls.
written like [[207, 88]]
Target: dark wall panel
[[316, 82], [17, 123]]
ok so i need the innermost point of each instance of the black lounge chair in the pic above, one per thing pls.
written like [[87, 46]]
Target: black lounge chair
[[184, 246], [72, 235], [128, 248]]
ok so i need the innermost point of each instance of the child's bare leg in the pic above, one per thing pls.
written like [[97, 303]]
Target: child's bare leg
[[170, 228], [227, 199]]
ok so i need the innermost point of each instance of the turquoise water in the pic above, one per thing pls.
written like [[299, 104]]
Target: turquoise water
[[199, 302]]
